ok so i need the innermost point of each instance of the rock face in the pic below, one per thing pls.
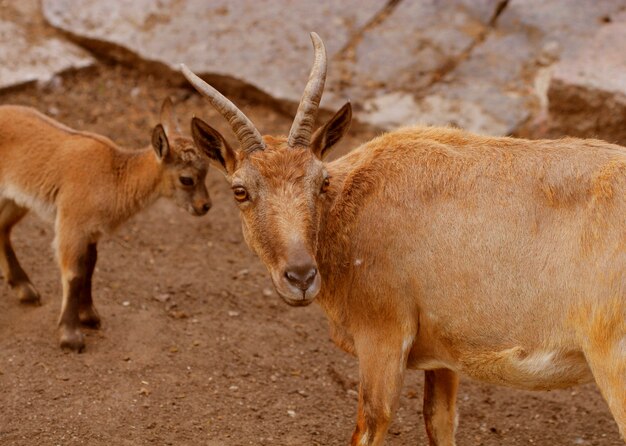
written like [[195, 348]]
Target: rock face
[[484, 65], [399, 64], [27, 54], [263, 43], [496, 78], [587, 94]]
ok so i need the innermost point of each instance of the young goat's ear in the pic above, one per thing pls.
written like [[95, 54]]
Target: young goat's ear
[[168, 118], [214, 145], [159, 142], [330, 133]]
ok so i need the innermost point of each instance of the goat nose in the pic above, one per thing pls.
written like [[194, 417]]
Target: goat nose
[[301, 276], [206, 207]]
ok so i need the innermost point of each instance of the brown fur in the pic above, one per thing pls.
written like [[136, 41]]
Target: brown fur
[[87, 186]]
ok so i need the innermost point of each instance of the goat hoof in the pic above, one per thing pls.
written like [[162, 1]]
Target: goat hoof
[[27, 294], [89, 317], [72, 339]]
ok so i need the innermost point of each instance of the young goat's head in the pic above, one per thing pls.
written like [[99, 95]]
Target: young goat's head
[[184, 165], [279, 183]]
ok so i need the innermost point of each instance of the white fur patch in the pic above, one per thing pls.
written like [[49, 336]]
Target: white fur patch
[[46, 211], [407, 343], [543, 367], [538, 363], [365, 439]]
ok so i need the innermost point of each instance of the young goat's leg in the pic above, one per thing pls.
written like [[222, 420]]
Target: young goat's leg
[[87, 313], [16, 277], [382, 363], [440, 388], [72, 254]]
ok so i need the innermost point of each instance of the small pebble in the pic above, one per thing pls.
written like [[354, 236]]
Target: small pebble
[[163, 297], [241, 273]]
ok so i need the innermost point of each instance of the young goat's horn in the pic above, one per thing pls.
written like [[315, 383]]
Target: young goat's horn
[[247, 134], [302, 127]]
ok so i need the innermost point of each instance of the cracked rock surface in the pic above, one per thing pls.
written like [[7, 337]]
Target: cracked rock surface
[[587, 93], [485, 65], [262, 43], [496, 81], [29, 54]]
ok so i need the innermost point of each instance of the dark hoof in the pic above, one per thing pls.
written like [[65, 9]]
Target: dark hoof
[[89, 317], [72, 339], [27, 294]]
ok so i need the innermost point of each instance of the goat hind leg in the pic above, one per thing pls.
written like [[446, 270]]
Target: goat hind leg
[[87, 313], [440, 387], [16, 277], [608, 366], [72, 254], [602, 332]]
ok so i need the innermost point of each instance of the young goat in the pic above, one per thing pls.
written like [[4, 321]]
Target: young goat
[[87, 186], [440, 250]]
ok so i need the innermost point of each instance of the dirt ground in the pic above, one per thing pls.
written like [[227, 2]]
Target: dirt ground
[[195, 347]]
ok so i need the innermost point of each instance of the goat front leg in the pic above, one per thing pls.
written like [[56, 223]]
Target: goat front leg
[[87, 313], [72, 254], [440, 387], [382, 364]]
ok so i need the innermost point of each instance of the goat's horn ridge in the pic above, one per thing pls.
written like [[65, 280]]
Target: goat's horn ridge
[[247, 134], [302, 127]]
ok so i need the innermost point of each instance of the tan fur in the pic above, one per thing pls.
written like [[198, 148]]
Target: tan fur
[[87, 186], [499, 258]]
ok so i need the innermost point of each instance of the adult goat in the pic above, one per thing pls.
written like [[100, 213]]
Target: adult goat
[[440, 250]]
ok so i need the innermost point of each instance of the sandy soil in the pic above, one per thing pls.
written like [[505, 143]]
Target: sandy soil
[[195, 347]]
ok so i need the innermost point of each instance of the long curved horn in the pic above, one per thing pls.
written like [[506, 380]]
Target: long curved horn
[[247, 134], [302, 127]]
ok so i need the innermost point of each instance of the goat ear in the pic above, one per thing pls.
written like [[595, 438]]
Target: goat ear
[[159, 142], [213, 144], [330, 133], [168, 117]]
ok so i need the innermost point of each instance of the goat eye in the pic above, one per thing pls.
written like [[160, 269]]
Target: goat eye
[[241, 194], [186, 181], [325, 185]]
